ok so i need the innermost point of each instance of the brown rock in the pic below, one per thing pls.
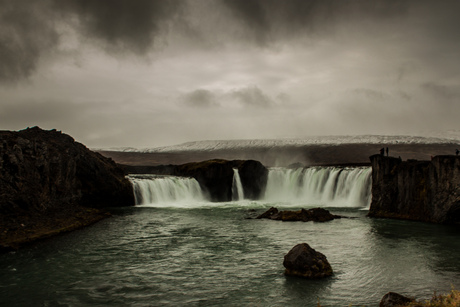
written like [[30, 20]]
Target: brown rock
[[314, 214], [392, 299], [304, 261]]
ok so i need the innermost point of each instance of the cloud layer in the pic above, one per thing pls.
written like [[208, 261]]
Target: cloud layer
[[153, 73]]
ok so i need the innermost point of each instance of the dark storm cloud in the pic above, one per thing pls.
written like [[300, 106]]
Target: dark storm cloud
[[29, 29], [269, 20], [26, 32], [254, 16], [252, 96], [440, 91], [123, 25], [200, 98]]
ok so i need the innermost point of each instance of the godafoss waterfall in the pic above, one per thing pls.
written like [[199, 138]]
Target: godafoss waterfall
[[177, 248]]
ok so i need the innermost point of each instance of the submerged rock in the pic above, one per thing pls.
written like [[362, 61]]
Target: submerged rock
[[304, 261], [304, 215], [392, 299], [269, 213]]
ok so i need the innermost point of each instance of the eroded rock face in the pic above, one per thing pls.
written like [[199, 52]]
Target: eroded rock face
[[51, 184], [426, 191], [304, 261], [42, 170], [304, 215]]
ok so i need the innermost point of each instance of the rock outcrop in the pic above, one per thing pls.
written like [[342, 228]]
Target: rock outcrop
[[46, 175], [392, 299], [216, 176], [427, 191], [304, 261], [304, 215]]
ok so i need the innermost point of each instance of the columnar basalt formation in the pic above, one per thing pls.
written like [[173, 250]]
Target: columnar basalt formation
[[426, 191]]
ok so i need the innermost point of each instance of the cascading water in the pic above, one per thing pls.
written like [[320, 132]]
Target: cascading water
[[237, 186], [153, 189], [320, 185], [316, 186]]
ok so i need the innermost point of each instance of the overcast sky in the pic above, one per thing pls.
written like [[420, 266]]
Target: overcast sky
[[151, 73]]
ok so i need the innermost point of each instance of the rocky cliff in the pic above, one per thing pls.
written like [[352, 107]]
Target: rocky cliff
[[426, 191], [216, 176], [46, 174]]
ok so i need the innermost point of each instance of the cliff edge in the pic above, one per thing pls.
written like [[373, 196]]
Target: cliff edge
[[427, 191], [49, 183]]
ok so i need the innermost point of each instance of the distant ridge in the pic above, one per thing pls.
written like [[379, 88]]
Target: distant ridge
[[213, 145]]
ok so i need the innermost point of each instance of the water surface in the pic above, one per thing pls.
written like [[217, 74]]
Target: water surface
[[212, 255]]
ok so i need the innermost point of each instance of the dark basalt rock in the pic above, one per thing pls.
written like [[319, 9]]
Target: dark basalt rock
[[253, 176], [392, 299], [214, 176], [304, 261], [314, 214], [46, 173], [427, 191]]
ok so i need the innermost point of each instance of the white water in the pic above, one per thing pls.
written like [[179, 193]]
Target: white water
[[237, 186], [344, 187], [152, 189], [315, 186]]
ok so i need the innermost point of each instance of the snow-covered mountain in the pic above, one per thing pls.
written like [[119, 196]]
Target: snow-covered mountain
[[212, 145]]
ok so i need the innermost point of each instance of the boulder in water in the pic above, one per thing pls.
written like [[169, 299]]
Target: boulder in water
[[392, 299], [304, 215], [304, 261]]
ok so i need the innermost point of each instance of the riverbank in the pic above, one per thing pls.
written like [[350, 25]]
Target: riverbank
[[24, 229]]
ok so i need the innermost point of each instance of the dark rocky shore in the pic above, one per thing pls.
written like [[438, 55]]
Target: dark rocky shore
[[52, 184]]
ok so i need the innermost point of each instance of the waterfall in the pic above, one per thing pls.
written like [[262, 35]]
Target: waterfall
[[320, 186], [237, 186], [153, 189]]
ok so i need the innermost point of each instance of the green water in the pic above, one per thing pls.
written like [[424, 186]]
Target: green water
[[214, 256]]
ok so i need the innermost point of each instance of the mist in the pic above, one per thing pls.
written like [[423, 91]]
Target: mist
[[156, 73]]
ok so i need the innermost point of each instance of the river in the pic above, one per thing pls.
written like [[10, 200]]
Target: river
[[197, 253]]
